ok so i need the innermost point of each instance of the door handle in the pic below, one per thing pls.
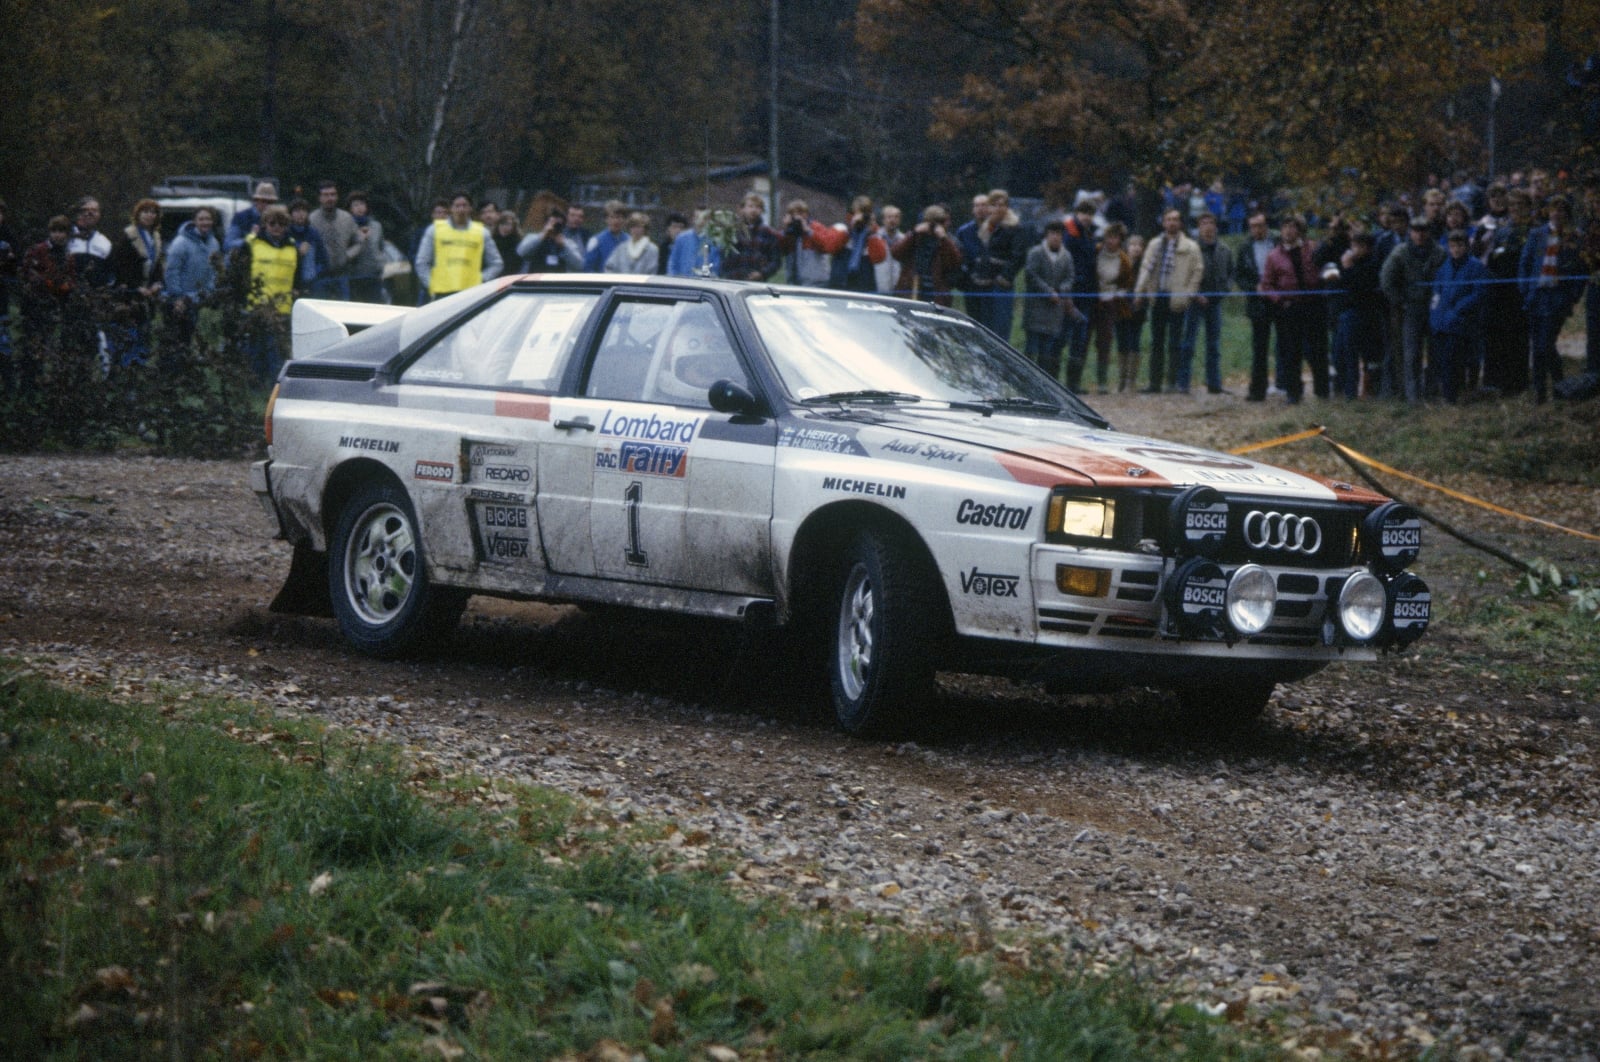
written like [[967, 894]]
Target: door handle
[[581, 423]]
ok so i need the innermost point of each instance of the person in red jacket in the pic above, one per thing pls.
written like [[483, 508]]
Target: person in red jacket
[[808, 246], [49, 280], [1288, 282], [855, 266], [930, 260]]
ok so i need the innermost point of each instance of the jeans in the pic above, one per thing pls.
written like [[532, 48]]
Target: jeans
[[331, 287], [1210, 315], [1044, 350], [1448, 362], [1166, 340], [1591, 361], [1414, 350], [1295, 321], [1260, 353], [1356, 334], [1544, 362]]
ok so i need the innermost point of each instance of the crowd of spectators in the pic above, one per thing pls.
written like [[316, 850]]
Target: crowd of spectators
[[1456, 290]]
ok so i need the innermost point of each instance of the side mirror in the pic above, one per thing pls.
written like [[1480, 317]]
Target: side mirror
[[728, 397]]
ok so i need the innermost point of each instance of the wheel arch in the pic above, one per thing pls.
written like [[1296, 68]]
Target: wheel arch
[[821, 539], [342, 484]]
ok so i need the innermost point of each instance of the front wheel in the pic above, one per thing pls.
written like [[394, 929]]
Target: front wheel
[[377, 577], [880, 661]]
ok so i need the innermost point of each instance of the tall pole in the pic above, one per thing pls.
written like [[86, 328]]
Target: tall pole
[[1494, 102], [772, 117]]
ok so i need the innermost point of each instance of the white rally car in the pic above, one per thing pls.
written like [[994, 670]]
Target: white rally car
[[887, 480]]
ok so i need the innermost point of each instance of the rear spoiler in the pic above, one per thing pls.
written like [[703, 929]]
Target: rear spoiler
[[317, 324]]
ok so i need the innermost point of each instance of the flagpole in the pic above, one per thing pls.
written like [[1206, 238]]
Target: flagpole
[[1494, 99]]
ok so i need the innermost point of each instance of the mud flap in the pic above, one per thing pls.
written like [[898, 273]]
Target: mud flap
[[305, 592]]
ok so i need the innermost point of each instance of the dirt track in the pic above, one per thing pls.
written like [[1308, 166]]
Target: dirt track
[[1402, 852]]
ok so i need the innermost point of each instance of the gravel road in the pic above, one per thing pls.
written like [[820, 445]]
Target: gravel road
[[1402, 854]]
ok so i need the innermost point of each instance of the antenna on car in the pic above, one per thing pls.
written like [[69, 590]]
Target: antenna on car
[[703, 266]]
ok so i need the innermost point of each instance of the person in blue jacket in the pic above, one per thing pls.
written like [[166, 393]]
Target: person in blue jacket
[[1551, 279], [190, 278], [1453, 315]]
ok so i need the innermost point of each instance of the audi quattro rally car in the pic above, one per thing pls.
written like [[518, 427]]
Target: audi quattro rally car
[[887, 480]]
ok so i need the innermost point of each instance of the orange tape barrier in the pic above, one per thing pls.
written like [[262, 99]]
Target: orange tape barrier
[[1356, 455]]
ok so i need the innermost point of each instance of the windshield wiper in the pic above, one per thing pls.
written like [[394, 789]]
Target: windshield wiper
[[843, 397], [989, 405]]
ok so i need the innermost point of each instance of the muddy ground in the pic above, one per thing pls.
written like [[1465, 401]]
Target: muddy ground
[[1401, 852]]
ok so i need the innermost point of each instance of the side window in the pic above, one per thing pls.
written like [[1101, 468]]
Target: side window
[[628, 350], [664, 352], [521, 341]]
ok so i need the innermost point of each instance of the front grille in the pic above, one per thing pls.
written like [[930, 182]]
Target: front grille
[[1336, 524]]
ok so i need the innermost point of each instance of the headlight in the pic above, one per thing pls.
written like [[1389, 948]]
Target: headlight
[[1363, 606], [1082, 518], [1252, 596], [1391, 536]]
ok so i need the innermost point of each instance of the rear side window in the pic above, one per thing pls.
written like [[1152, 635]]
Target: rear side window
[[520, 342]]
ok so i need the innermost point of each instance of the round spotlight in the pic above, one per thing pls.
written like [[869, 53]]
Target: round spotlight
[[1199, 522], [1363, 607], [1392, 535], [1252, 596], [1410, 609], [1197, 597]]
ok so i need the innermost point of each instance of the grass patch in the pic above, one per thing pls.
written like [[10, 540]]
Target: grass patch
[[205, 882]]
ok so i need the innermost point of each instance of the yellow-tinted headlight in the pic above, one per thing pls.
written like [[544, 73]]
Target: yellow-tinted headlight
[[1082, 517]]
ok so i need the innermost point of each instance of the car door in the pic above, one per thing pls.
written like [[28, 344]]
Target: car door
[[669, 491], [479, 394]]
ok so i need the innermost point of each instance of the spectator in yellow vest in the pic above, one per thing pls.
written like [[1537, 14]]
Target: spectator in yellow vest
[[457, 253], [264, 268]]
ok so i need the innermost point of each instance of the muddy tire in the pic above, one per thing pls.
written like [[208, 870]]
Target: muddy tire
[[881, 629], [378, 579]]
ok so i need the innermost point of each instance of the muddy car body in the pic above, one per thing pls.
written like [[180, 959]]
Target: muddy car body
[[886, 480]]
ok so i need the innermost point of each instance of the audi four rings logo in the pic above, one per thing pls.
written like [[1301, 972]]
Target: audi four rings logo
[[1285, 531]]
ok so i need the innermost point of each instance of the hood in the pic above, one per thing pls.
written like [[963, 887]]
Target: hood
[[1050, 452], [187, 231]]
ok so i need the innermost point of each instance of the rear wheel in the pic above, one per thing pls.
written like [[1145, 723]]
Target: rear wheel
[[1223, 709], [378, 579], [880, 660]]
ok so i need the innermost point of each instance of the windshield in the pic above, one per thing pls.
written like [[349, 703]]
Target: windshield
[[841, 348]]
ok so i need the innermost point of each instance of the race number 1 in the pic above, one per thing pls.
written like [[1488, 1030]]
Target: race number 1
[[633, 501]]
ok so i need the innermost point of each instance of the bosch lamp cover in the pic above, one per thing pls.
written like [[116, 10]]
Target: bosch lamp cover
[[1393, 536]]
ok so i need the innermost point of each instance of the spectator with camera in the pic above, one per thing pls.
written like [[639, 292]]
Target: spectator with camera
[[808, 246], [855, 266], [930, 261], [550, 250]]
